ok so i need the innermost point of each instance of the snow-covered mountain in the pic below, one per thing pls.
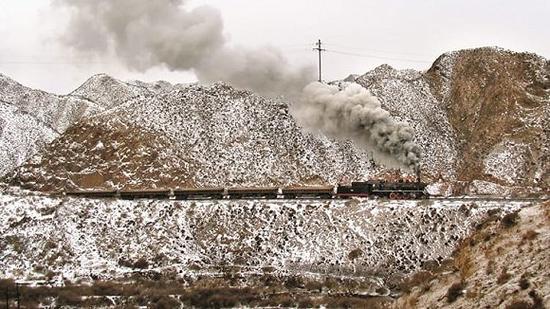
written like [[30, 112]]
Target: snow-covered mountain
[[21, 136], [30, 119], [480, 116], [192, 135]]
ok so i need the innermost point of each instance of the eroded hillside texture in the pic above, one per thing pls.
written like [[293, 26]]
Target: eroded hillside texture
[[481, 116]]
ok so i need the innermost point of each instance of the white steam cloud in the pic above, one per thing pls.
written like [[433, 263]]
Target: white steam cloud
[[352, 113], [146, 33]]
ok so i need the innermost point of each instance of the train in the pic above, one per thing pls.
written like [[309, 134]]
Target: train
[[364, 189]]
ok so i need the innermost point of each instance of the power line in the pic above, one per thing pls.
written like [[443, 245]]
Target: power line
[[376, 50], [374, 56]]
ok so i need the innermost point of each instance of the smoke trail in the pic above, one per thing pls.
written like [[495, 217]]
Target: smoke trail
[[352, 113], [145, 33]]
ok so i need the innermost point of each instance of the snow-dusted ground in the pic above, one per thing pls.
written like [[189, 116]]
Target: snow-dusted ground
[[30, 119], [84, 238], [21, 136]]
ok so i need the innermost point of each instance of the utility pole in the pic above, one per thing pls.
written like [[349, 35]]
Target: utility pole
[[319, 49], [17, 296]]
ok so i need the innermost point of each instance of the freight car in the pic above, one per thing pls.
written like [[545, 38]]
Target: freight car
[[151, 194], [308, 192], [239, 193], [93, 193], [198, 193]]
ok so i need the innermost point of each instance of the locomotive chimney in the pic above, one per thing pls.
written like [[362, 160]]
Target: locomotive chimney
[[417, 174]]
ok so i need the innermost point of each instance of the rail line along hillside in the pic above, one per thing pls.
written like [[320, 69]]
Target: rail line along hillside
[[401, 189]]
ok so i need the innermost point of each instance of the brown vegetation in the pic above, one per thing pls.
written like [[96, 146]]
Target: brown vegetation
[[510, 219], [490, 267], [208, 292], [454, 291]]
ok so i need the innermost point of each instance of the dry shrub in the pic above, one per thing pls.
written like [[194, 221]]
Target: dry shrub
[[106, 288], [546, 207], [166, 302], [50, 275], [218, 297], [510, 219], [50, 245], [504, 276], [306, 302], [270, 281], [530, 235], [419, 279], [141, 263], [455, 290], [294, 282], [411, 301], [283, 300], [490, 267], [524, 283], [124, 262], [355, 254], [519, 304], [314, 285], [472, 293], [464, 263], [69, 297], [7, 284], [331, 283], [538, 302]]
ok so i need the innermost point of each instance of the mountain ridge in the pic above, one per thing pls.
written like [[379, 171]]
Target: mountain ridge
[[214, 126]]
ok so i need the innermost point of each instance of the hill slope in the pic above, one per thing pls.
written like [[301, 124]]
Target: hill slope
[[498, 103], [503, 264], [30, 119], [208, 135], [480, 116]]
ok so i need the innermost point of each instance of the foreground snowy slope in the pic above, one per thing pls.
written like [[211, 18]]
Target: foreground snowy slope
[[79, 238], [503, 264]]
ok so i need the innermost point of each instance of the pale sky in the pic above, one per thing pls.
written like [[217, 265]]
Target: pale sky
[[404, 34]]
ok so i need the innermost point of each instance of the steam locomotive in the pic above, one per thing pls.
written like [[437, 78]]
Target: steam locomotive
[[367, 189]]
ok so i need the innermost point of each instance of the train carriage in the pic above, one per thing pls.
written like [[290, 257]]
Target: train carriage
[[138, 194], [238, 193], [198, 193], [93, 193], [325, 192]]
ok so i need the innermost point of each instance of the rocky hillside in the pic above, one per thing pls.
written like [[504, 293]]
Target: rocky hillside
[[481, 116], [487, 111], [191, 135], [21, 136], [30, 119], [504, 264], [377, 241], [498, 103]]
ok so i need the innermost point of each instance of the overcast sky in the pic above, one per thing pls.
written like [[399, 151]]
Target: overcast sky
[[359, 35]]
